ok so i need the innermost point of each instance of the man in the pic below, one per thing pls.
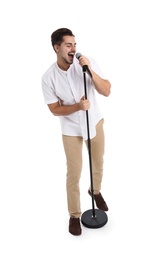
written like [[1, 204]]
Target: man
[[64, 93]]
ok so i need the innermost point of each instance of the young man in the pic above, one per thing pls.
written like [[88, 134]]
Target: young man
[[63, 91]]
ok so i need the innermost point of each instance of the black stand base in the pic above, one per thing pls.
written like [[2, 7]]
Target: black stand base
[[94, 221]]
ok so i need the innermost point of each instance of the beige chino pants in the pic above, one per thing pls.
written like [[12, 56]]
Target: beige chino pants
[[73, 150]]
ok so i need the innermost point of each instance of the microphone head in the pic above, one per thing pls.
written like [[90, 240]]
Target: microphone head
[[78, 55]]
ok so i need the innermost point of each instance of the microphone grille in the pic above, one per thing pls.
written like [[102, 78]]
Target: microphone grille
[[78, 55]]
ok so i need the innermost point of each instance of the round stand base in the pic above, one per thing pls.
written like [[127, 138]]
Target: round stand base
[[100, 219]]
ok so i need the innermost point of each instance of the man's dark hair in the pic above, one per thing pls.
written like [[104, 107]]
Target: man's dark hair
[[57, 36]]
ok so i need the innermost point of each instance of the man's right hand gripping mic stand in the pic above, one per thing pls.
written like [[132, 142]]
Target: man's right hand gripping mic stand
[[92, 218]]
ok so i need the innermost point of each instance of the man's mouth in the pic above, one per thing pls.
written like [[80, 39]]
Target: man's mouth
[[71, 55]]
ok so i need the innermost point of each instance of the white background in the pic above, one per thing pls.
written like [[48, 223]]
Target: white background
[[127, 39]]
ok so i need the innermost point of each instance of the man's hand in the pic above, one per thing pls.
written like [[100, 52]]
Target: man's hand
[[84, 61], [84, 104]]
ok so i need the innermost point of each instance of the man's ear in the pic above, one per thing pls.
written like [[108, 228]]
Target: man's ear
[[56, 48]]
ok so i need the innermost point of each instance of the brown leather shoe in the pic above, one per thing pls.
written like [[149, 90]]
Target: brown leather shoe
[[100, 202], [74, 226]]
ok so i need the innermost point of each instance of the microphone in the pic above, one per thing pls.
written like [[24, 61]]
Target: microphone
[[78, 55], [85, 67]]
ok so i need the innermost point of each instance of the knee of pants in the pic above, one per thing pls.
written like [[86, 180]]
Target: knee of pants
[[74, 170]]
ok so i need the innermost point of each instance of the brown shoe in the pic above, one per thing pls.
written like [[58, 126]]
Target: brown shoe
[[100, 202], [74, 226]]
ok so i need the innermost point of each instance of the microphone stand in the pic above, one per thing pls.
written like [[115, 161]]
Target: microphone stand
[[92, 218]]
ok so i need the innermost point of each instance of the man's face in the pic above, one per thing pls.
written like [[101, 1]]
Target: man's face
[[67, 49]]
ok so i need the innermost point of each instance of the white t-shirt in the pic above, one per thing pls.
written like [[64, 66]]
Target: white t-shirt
[[68, 88]]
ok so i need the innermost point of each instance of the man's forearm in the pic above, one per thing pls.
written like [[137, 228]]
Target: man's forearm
[[65, 110], [102, 86]]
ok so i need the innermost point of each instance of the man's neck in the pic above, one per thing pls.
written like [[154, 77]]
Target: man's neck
[[63, 66]]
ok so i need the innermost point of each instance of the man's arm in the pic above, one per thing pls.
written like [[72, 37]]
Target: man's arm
[[103, 86], [60, 110]]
